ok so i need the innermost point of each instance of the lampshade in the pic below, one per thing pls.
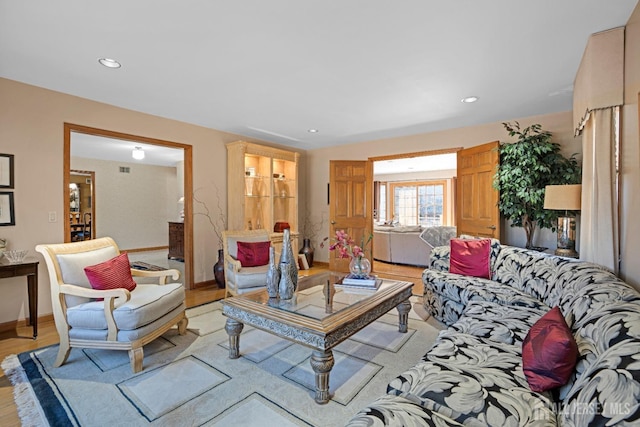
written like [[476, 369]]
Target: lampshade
[[562, 197], [138, 153]]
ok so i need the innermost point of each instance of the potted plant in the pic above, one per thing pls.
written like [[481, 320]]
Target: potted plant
[[526, 167]]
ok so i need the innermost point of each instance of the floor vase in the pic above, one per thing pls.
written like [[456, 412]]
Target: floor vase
[[218, 269]]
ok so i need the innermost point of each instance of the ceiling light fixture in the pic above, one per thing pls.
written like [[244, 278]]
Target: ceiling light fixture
[[313, 131], [469, 99], [109, 63], [138, 153]]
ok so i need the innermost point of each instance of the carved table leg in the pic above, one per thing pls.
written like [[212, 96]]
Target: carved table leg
[[403, 309], [233, 328], [321, 363]]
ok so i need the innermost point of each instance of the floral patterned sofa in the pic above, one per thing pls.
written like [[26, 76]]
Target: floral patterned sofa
[[473, 373]]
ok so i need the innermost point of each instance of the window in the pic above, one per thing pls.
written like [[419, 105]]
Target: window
[[419, 203]]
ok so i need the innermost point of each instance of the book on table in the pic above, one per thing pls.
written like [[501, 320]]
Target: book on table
[[369, 282]]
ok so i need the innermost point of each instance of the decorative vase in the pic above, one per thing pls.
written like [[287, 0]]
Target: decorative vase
[[360, 267], [288, 263], [218, 269], [307, 251], [273, 275], [286, 288]]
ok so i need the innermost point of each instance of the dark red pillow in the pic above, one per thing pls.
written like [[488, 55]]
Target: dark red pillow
[[470, 257], [112, 274], [253, 254], [549, 352]]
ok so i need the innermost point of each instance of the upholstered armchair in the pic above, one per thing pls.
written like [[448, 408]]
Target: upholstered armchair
[[115, 318], [437, 236], [239, 279]]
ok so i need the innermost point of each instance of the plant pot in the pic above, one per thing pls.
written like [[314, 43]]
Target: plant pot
[[307, 251], [218, 269]]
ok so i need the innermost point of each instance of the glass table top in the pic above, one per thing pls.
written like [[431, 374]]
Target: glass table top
[[319, 296]]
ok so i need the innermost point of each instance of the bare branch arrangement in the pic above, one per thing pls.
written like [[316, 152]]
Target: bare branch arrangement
[[218, 220]]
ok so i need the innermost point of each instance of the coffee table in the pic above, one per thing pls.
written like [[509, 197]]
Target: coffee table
[[320, 315]]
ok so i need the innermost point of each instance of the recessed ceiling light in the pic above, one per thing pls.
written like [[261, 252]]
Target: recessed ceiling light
[[469, 99], [109, 63], [313, 131]]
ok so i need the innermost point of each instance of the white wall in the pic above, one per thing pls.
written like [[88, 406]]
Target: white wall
[[32, 128], [630, 159], [558, 124], [133, 208]]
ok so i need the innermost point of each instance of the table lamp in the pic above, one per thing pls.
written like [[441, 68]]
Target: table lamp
[[564, 198]]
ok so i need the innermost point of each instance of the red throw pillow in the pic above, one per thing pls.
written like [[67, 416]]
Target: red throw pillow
[[470, 257], [112, 274], [549, 352], [253, 254]]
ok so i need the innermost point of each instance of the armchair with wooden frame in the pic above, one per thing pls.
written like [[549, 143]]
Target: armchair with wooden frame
[[239, 279], [115, 319]]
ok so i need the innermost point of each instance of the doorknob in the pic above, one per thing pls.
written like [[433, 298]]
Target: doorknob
[[493, 227], [333, 222]]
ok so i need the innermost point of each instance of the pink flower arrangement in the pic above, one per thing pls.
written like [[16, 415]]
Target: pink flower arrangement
[[347, 246]]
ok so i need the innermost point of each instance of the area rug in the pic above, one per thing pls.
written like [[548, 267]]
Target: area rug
[[189, 380]]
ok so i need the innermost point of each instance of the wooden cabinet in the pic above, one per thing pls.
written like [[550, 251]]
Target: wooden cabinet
[[176, 241], [262, 189]]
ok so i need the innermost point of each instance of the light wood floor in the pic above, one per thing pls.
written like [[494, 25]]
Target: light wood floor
[[20, 340]]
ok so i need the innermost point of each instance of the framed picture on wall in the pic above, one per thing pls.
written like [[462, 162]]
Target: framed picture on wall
[[7, 216], [6, 170]]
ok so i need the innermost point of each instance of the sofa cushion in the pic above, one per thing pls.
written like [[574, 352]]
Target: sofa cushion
[[470, 257], [251, 277], [508, 324], [606, 336], [253, 254], [549, 352], [111, 274], [475, 382], [399, 411], [455, 293], [147, 304]]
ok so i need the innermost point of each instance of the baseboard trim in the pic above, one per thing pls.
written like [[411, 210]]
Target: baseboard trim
[[205, 284]]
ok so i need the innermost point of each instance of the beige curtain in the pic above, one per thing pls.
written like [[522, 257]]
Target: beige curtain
[[599, 241]]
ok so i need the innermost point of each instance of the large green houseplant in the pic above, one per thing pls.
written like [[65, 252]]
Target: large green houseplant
[[526, 167]]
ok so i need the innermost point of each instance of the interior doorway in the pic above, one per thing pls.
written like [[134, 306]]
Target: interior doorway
[[82, 198], [126, 196], [411, 191]]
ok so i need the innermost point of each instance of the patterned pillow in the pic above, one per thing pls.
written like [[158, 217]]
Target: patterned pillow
[[549, 352], [112, 274], [253, 254], [470, 257]]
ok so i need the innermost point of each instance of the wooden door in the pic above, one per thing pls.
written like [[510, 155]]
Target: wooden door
[[477, 211], [350, 204]]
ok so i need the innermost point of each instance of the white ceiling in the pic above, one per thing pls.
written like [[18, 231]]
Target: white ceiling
[[118, 150], [355, 70]]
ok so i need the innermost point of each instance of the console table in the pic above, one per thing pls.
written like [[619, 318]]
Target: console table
[[176, 241], [30, 269]]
